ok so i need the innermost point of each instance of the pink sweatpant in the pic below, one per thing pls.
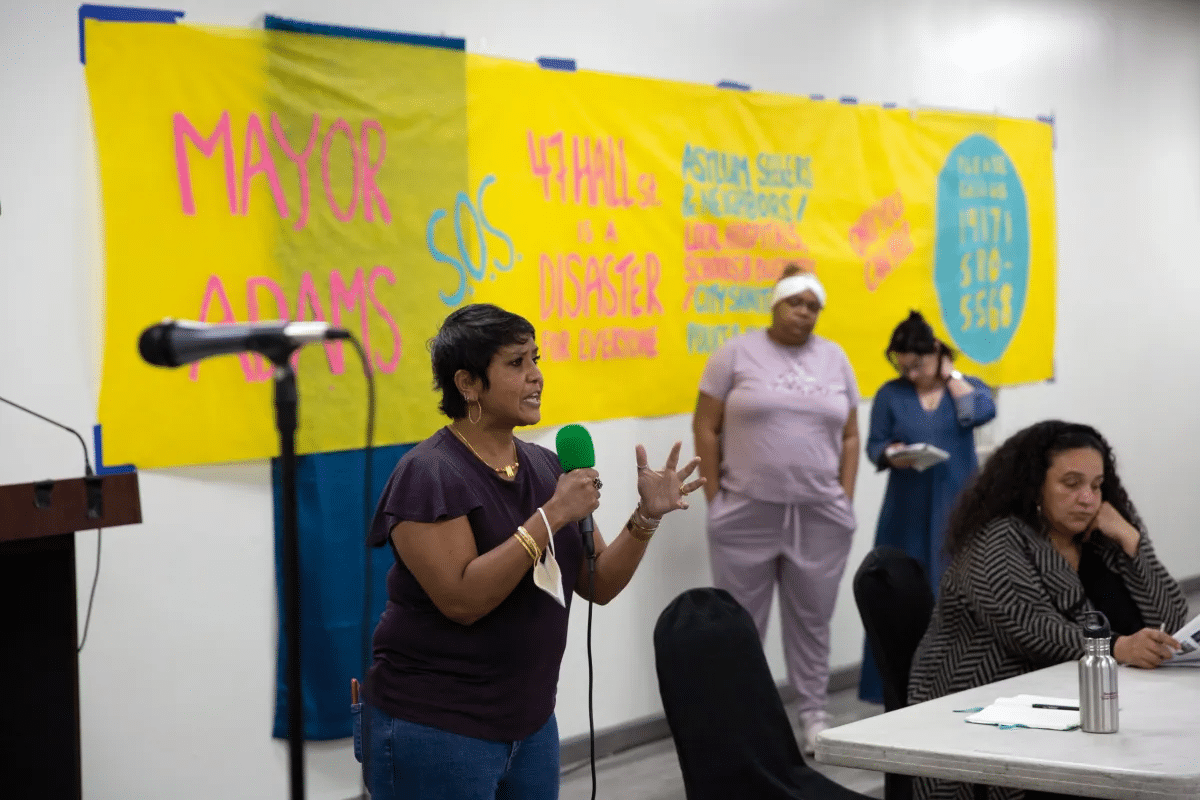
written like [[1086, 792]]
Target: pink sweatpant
[[755, 545]]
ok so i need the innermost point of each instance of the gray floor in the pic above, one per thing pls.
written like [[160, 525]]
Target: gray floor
[[651, 772]]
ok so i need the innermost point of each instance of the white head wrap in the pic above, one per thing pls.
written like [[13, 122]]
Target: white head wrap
[[794, 285]]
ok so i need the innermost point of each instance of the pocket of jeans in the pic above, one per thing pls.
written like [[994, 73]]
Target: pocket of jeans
[[356, 712]]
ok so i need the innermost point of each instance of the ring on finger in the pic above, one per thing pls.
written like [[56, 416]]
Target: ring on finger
[[599, 484]]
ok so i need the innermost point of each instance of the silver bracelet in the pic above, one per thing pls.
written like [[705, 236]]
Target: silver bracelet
[[643, 520]]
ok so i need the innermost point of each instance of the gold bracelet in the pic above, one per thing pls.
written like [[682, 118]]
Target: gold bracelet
[[530, 546], [523, 543], [645, 535], [528, 543]]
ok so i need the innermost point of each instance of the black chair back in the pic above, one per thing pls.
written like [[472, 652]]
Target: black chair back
[[730, 728], [895, 603]]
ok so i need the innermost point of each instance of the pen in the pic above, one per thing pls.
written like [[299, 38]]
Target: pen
[[1056, 708]]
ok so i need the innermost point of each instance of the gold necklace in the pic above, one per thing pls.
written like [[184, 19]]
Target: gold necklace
[[509, 471]]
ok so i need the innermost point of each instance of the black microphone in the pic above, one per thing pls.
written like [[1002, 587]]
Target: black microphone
[[173, 343]]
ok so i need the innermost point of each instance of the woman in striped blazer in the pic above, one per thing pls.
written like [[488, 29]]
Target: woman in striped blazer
[[1043, 534]]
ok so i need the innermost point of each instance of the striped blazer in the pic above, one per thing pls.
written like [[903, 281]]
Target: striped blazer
[[1011, 604]]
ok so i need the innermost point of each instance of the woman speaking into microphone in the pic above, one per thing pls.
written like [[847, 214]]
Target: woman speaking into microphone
[[488, 550]]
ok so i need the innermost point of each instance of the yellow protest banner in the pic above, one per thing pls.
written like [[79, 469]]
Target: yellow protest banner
[[644, 223], [250, 175], [637, 223]]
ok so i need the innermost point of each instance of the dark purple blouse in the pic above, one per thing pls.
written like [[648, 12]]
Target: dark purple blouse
[[496, 679]]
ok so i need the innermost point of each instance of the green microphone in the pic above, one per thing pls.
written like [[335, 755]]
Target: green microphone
[[575, 451]]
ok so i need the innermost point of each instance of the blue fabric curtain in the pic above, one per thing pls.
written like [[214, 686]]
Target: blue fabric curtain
[[332, 530]]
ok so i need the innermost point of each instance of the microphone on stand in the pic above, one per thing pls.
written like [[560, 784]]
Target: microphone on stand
[[173, 343]]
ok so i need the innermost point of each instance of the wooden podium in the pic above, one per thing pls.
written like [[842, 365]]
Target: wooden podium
[[39, 670]]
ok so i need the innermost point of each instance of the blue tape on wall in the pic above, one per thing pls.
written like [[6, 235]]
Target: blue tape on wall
[[550, 62], [274, 23], [121, 14], [98, 449]]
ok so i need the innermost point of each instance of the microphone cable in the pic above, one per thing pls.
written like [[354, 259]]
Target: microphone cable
[[88, 472], [591, 560], [364, 717]]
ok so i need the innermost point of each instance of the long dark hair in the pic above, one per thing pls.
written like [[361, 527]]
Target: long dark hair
[[468, 339], [1010, 483]]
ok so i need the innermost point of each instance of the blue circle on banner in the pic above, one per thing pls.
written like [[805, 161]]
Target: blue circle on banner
[[981, 260]]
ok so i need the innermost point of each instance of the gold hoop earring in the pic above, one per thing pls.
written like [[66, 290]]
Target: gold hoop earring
[[479, 416]]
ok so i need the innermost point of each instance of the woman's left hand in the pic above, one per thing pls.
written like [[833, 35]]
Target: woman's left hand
[[1147, 648], [1110, 523], [945, 367], [662, 491]]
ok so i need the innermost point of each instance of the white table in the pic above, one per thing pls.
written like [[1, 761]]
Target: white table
[[1155, 754]]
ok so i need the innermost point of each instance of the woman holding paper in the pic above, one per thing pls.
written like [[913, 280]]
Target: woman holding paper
[[1044, 534], [776, 429], [931, 403]]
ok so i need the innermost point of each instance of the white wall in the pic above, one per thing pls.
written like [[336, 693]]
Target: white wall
[[177, 678]]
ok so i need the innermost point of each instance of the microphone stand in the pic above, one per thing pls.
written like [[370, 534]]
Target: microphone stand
[[286, 402]]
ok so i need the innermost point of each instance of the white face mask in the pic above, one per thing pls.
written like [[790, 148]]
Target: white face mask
[[546, 575]]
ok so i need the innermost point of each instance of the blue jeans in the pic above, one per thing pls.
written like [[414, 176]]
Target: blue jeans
[[407, 761]]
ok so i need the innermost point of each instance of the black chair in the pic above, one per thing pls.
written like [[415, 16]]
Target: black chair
[[895, 603], [731, 732]]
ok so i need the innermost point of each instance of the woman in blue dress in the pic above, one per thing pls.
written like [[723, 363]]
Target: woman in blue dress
[[933, 403]]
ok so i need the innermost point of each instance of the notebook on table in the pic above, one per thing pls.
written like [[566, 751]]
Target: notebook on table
[[1030, 711]]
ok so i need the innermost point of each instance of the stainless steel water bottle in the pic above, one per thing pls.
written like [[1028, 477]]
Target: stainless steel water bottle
[[1097, 678]]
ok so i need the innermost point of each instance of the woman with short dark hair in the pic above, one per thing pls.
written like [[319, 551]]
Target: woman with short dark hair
[[932, 403], [484, 527], [1044, 535]]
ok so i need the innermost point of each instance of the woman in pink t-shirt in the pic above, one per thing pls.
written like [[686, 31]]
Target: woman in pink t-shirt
[[776, 428]]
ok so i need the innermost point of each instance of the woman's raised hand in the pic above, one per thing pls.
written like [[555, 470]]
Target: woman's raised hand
[[1111, 524], [662, 491]]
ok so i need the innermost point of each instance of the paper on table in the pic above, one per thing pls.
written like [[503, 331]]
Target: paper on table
[[1189, 640], [924, 455], [1019, 711]]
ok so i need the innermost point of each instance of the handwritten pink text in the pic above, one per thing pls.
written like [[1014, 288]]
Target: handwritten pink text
[[588, 171], [265, 299], [366, 149], [574, 285]]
